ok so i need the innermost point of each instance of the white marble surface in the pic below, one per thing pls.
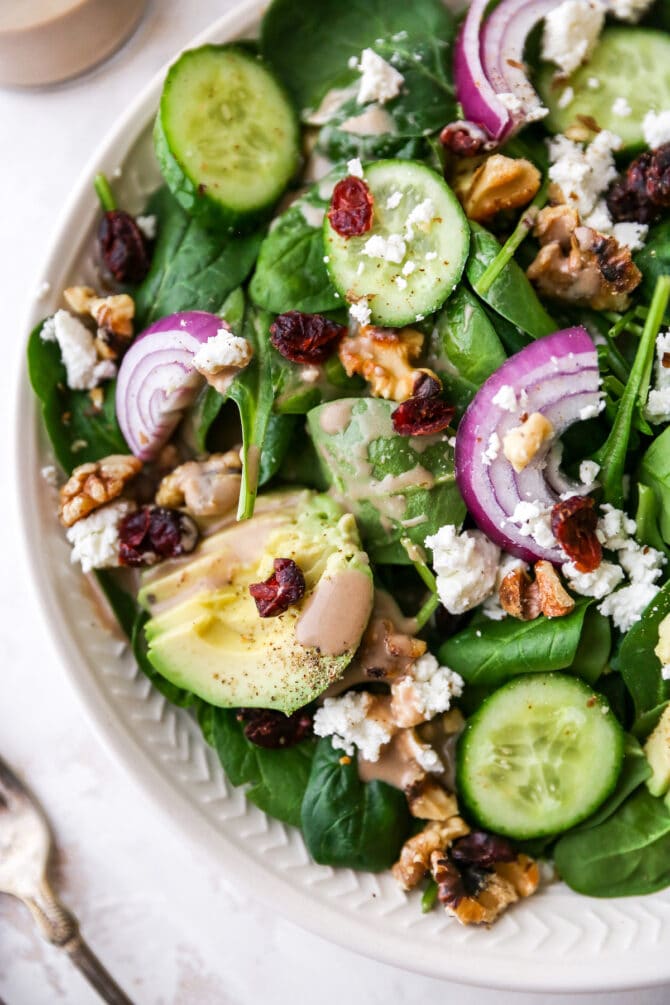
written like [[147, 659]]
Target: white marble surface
[[172, 928]]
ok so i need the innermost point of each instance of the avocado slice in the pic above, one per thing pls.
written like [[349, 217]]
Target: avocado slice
[[205, 633], [657, 752]]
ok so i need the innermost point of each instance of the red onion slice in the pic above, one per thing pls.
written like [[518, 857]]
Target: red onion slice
[[557, 376], [473, 88], [157, 380]]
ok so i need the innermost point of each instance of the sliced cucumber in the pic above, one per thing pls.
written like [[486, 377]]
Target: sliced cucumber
[[435, 251], [628, 63], [226, 136], [540, 755]]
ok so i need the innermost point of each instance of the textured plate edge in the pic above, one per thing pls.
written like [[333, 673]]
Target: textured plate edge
[[110, 729]]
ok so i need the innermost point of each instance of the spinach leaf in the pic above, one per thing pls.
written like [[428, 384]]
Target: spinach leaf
[[491, 652], [397, 487], [648, 518], [279, 436], [347, 822], [655, 475], [654, 259], [511, 295], [338, 144], [278, 778], [595, 646], [192, 268], [626, 855], [176, 695], [122, 603], [78, 432], [639, 665], [634, 771], [309, 45], [290, 272], [464, 348]]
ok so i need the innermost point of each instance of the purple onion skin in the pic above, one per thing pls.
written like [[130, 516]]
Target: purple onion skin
[[482, 418], [145, 423], [471, 80]]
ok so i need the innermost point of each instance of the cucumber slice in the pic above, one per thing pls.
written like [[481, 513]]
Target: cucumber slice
[[401, 293], [539, 756], [629, 63], [226, 136]]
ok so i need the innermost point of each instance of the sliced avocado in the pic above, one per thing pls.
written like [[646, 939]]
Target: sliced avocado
[[657, 751], [205, 633]]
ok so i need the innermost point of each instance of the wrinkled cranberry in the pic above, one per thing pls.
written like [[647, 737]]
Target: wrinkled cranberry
[[455, 883], [305, 338], [350, 212], [154, 533], [284, 587], [642, 192], [123, 247], [426, 385], [574, 523], [420, 416], [482, 849], [464, 139], [270, 729]]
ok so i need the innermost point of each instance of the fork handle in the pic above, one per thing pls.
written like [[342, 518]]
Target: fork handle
[[61, 928]]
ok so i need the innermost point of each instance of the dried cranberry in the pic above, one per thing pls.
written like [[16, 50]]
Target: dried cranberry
[[455, 883], [270, 729], [482, 849], [350, 212], [154, 533], [642, 192], [284, 587], [123, 247], [574, 523], [305, 338], [464, 139], [420, 416]]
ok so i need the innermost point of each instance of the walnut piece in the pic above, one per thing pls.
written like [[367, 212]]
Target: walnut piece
[[506, 883], [578, 265], [92, 485], [415, 855], [204, 488], [384, 357], [521, 444], [115, 313], [525, 598], [427, 800], [499, 183], [555, 601]]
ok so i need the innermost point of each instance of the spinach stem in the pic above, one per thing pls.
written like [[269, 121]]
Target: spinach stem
[[612, 454], [506, 253], [426, 611], [623, 322], [429, 897], [104, 193], [416, 558]]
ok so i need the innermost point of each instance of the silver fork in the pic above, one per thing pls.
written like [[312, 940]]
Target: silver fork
[[25, 850]]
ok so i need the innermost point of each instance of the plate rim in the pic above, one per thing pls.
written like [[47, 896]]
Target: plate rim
[[245, 870]]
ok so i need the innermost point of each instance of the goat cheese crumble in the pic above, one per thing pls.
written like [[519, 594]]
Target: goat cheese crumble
[[222, 351], [355, 168], [492, 450], [656, 128], [394, 200], [360, 311], [570, 33], [621, 108], [588, 472], [465, 564], [657, 408], [421, 216], [583, 172], [390, 249], [379, 80], [347, 720], [95, 539], [433, 686], [505, 398], [77, 348], [598, 583], [629, 10], [148, 225], [534, 520]]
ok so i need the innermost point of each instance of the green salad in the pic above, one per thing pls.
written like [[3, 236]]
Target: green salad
[[363, 433]]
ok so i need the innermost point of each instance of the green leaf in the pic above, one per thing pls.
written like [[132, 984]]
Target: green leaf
[[397, 487], [626, 855], [192, 268], [511, 295], [122, 603], [655, 475], [653, 260], [487, 653], [464, 348], [651, 512], [350, 823], [595, 646], [77, 431], [279, 435], [639, 665], [278, 778]]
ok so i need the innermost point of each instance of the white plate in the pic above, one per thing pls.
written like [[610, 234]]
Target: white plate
[[555, 941]]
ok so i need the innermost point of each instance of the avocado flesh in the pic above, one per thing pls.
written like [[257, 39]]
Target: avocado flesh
[[657, 751], [205, 633]]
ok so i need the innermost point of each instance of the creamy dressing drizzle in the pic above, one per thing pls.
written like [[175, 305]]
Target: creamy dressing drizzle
[[313, 215], [335, 417], [374, 121], [335, 616]]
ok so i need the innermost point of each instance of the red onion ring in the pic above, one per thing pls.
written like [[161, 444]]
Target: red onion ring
[[473, 88]]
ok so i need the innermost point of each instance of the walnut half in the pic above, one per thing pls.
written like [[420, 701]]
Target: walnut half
[[92, 485], [499, 183], [525, 598], [384, 357]]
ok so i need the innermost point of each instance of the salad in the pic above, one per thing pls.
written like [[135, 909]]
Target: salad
[[363, 433]]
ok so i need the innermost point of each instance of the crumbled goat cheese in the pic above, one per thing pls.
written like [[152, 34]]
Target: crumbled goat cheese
[[583, 172], [408, 268], [627, 605], [534, 520], [566, 98], [641, 563], [592, 411], [394, 200], [505, 398], [427, 758], [492, 450], [593, 83], [390, 249], [621, 107], [430, 256], [401, 283], [433, 686], [148, 225], [355, 168], [347, 721], [421, 216], [588, 472], [629, 10], [656, 128], [77, 348], [466, 565], [615, 527], [630, 234], [510, 101], [598, 583], [95, 539], [570, 33], [222, 351], [360, 311], [657, 408], [379, 80], [492, 607]]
